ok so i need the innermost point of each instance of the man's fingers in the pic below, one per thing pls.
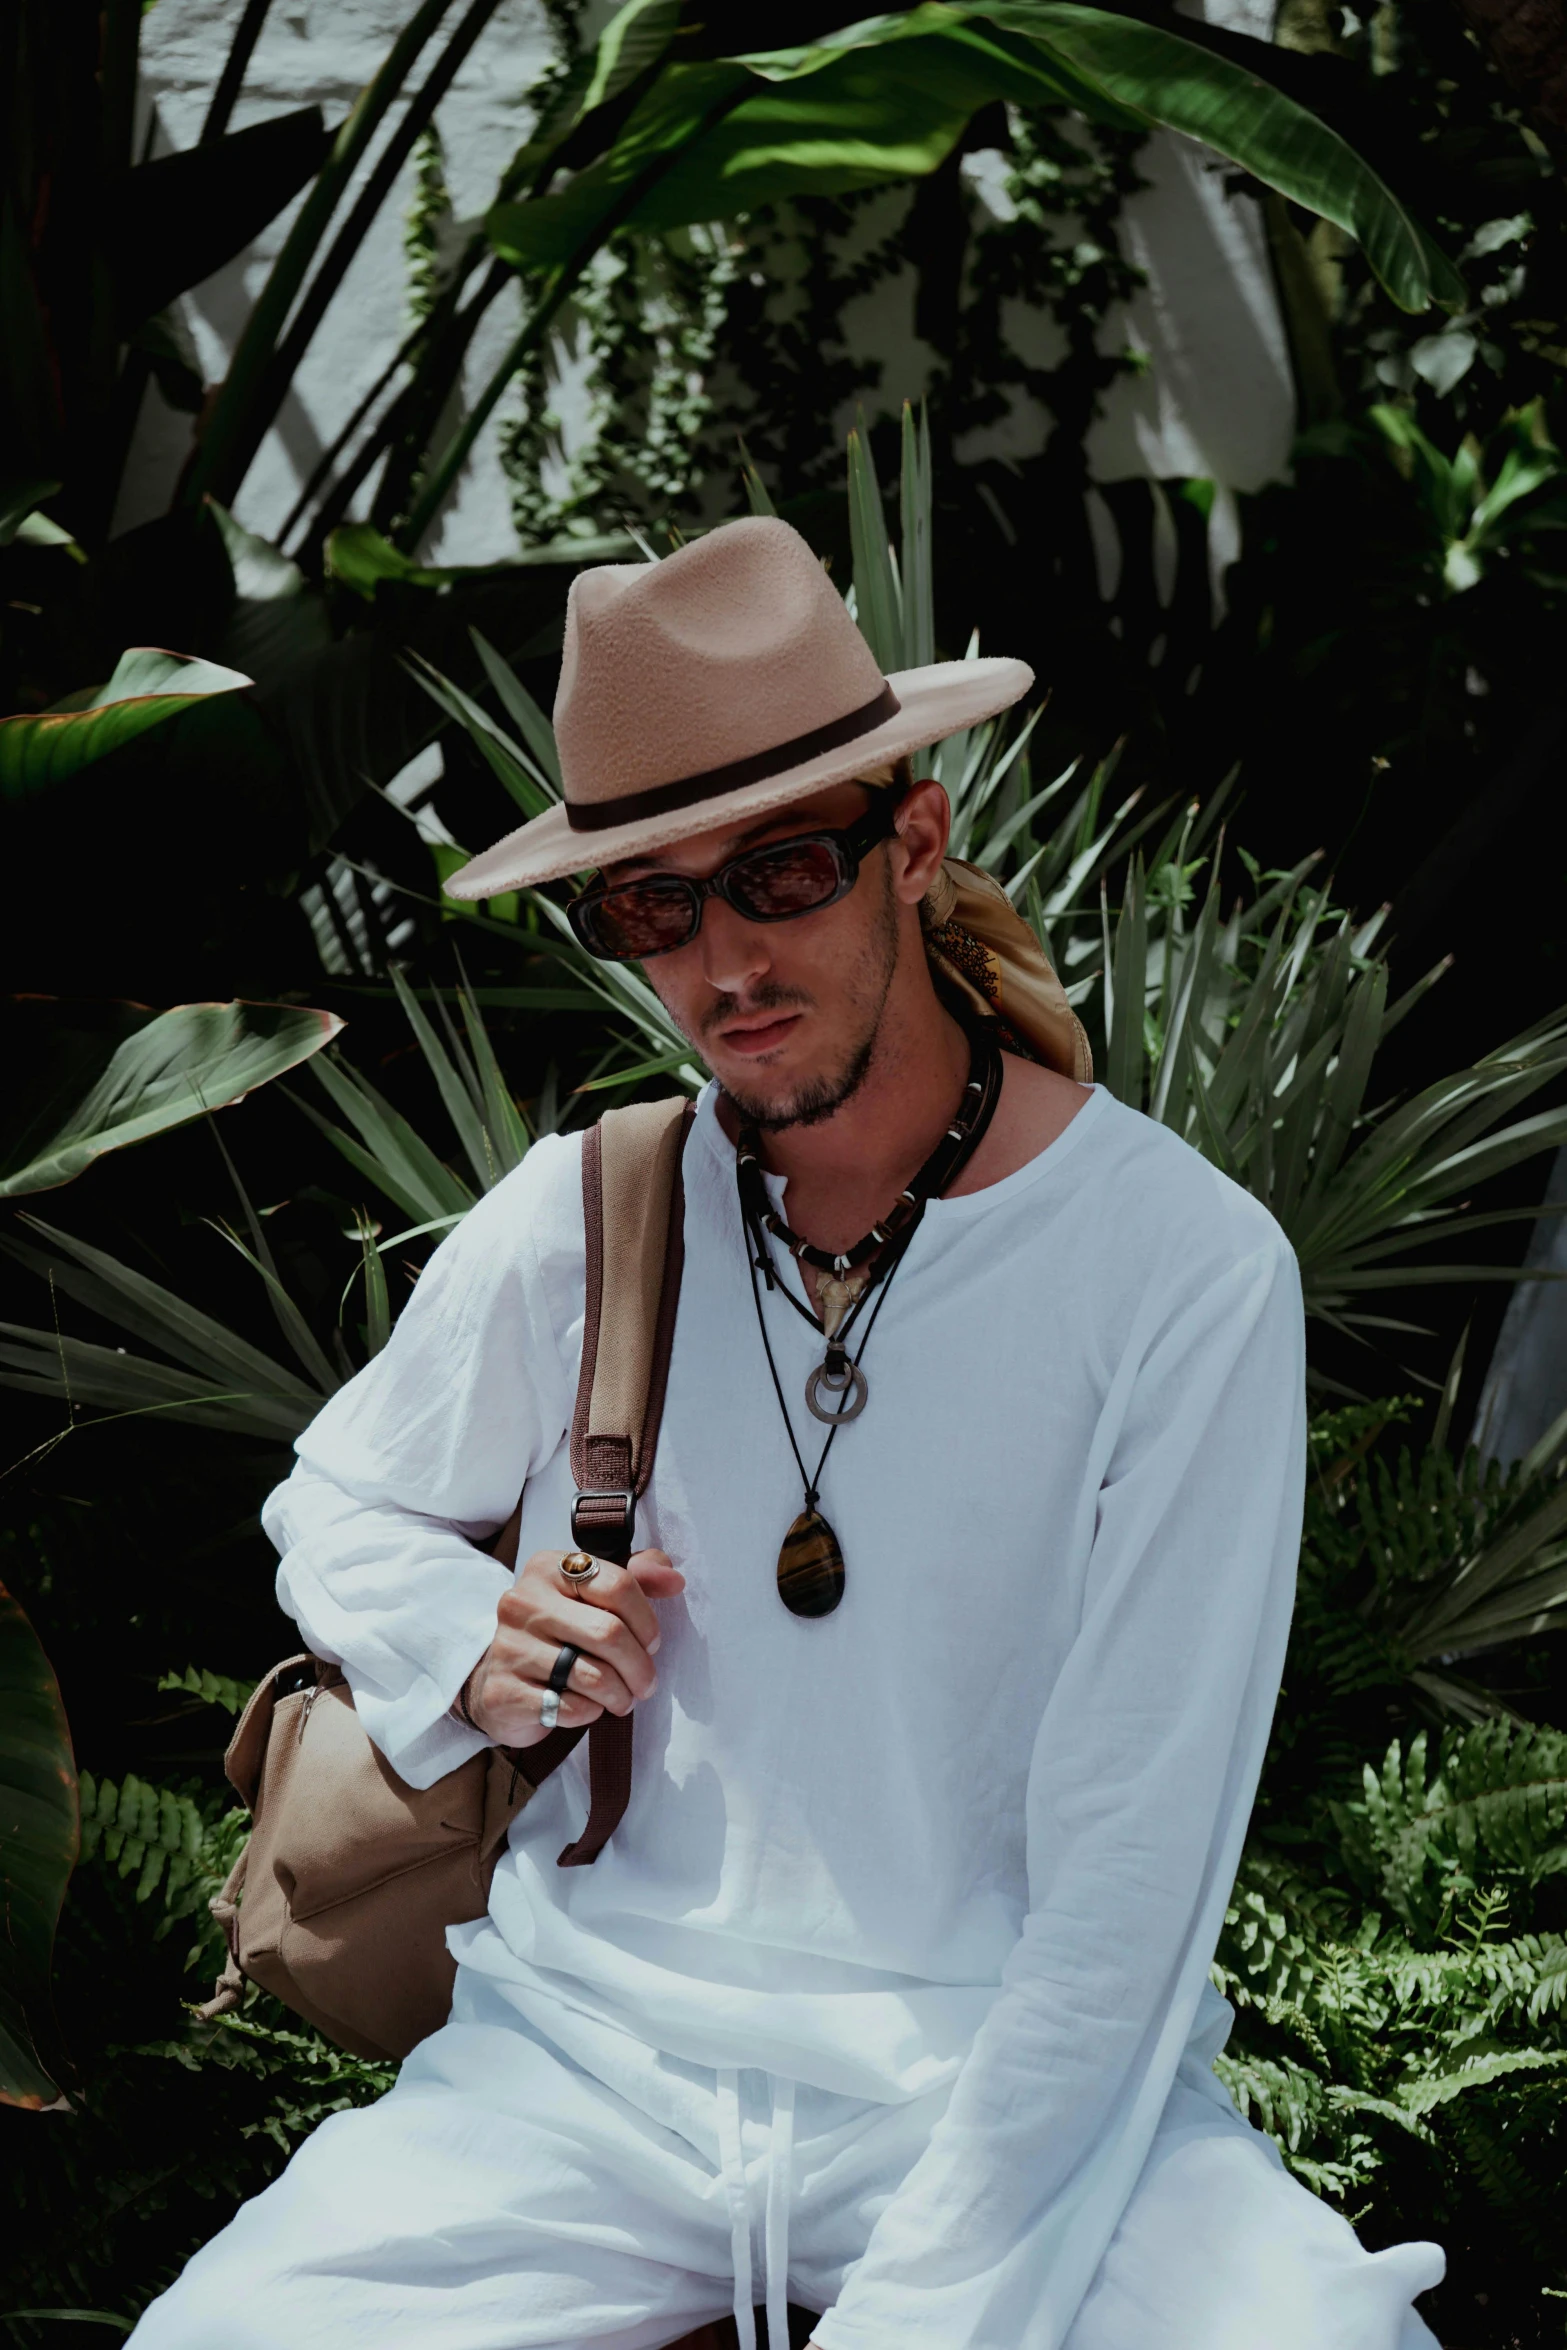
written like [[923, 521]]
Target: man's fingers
[[533, 1659], [656, 1574], [601, 1632], [624, 1591], [513, 1711]]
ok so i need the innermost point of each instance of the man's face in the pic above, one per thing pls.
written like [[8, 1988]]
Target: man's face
[[785, 1014]]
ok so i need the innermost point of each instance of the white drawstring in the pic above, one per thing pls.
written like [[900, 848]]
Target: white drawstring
[[780, 2172], [733, 2159], [780, 2168]]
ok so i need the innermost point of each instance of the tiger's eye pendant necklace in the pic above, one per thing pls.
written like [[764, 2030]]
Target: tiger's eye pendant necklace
[[811, 1571]]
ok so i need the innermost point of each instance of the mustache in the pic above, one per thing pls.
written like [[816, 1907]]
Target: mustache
[[769, 997]]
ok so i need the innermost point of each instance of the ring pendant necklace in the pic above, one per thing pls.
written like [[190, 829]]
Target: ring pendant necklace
[[811, 1571]]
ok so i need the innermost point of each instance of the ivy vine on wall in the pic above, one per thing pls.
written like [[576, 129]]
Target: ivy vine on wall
[[985, 288]]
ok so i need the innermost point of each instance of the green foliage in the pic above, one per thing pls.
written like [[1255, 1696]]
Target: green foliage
[[890, 97], [1396, 1946], [428, 216], [305, 2078], [39, 1798], [94, 1079], [212, 1688], [1255, 1035], [149, 1833], [1400, 1981], [147, 689]]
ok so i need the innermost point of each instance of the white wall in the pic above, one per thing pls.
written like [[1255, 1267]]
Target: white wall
[[1214, 398], [325, 51]]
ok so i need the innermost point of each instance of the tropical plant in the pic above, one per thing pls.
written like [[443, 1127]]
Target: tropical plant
[[1255, 1036], [657, 125], [90, 1078], [1394, 1948], [1401, 1988], [38, 1842], [1422, 1578]]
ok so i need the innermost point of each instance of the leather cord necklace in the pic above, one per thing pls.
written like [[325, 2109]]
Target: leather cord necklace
[[846, 1274], [811, 1572]]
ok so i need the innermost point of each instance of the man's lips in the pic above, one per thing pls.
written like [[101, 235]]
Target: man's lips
[[760, 1035]]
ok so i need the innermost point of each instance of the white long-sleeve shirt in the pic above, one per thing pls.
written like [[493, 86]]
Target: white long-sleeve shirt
[[977, 1826]]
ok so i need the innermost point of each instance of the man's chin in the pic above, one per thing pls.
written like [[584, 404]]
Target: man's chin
[[777, 1097]]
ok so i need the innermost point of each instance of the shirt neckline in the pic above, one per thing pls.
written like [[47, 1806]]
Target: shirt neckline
[[970, 1203]]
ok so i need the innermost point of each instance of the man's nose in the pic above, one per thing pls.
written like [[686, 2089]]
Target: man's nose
[[734, 952]]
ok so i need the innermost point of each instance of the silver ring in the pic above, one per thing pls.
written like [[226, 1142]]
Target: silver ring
[[549, 1709], [852, 1388], [578, 1567]]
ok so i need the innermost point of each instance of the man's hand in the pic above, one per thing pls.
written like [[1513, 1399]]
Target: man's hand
[[610, 1619]]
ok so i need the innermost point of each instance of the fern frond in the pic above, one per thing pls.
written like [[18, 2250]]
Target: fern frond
[[1494, 1793], [1282, 2097], [211, 1688], [1477, 2071], [141, 1828]]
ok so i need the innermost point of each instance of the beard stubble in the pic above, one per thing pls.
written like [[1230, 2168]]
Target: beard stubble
[[818, 1097]]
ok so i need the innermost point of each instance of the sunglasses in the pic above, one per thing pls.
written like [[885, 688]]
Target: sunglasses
[[632, 921]]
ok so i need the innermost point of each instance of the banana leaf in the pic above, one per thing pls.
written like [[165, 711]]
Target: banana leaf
[[888, 99], [148, 688], [87, 1079], [39, 1833], [176, 218]]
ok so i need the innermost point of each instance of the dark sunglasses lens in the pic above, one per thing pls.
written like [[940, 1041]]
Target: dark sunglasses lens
[[645, 918], [790, 879]]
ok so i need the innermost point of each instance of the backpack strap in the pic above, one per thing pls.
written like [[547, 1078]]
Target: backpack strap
[[633, 1203]]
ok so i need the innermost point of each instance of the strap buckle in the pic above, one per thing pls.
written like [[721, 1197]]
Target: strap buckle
[[586, 1529]]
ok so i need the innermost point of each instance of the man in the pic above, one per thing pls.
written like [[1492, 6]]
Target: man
[[888, 1994]]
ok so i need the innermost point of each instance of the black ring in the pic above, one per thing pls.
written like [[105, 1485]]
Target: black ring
[[560, 1670]]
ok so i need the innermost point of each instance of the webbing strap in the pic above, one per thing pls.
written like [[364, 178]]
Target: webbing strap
[[628, 1332]]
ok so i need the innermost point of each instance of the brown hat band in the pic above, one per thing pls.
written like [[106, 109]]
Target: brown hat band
[[631, 807]]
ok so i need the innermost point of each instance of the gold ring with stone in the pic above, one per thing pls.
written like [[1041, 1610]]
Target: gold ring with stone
[[578, 1568]]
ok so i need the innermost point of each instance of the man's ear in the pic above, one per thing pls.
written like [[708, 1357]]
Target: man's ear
[[923, 824]]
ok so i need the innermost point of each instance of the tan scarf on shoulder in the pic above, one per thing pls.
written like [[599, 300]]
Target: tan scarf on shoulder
[[980, 945]]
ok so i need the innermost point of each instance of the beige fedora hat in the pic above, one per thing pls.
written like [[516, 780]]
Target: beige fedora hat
[[716, 686]]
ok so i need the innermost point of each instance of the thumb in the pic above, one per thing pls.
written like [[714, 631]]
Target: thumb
[[656, 1573]]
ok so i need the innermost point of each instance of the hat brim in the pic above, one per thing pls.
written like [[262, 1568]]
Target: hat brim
[[934, 701]]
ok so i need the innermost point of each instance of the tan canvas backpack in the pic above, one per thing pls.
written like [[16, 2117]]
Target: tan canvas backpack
[[340, 1901]]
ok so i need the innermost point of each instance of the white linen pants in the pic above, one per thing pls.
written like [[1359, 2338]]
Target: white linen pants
[[502, 2197]]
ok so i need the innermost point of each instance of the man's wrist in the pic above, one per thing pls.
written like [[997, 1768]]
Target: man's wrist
[[460, 1708]]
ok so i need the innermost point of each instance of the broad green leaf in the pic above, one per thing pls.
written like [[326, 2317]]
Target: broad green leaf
[[90, 1079], [709, 141], [279, 617], [888, 99], [39, 1833], [358, 556], [19, 502], [635, 35], [148, 687], [1150, 70], [179, 217]]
